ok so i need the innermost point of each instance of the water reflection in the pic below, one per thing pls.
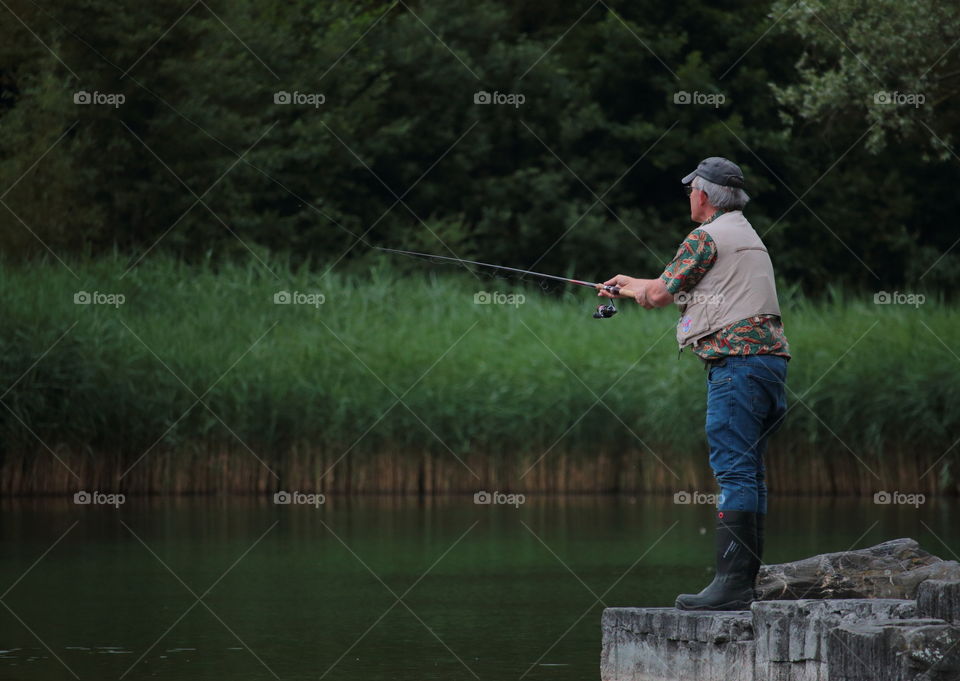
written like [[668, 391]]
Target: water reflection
[[373, 587]]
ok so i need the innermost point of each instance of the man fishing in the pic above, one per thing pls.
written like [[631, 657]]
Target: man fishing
[[722, 279]]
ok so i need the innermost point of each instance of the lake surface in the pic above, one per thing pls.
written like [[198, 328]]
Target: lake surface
[[241, 588]]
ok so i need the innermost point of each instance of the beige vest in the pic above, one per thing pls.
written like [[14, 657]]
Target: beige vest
[[739, 285]]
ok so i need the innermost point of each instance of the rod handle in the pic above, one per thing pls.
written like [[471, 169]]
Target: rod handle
[[617, 291]]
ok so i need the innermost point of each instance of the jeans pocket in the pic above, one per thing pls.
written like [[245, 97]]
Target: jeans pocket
[[718, 376], [766, 394]]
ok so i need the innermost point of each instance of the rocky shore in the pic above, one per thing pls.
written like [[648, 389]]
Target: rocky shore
[[887, 613]]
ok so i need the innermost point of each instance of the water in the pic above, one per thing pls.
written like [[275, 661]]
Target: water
[[488, 592]]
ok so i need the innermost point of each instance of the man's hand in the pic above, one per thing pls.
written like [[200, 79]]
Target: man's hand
[[621, 280], [649, 293]]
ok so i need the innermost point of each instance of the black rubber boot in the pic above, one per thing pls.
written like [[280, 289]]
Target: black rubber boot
[[761, 521], [736, 549]]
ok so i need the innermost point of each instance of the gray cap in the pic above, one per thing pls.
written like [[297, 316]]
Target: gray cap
[[718, 170]]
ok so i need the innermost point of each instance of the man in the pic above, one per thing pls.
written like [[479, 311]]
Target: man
[[722, 280]]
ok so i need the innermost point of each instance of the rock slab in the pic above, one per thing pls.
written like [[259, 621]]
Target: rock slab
[[792, 637], [940, 600], [887, 613], [895, 650], [666, 644], [893, 569]]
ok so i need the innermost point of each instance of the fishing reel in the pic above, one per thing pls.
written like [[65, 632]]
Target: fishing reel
[[605, 311]]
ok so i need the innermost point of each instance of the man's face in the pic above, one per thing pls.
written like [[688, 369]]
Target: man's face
[[697, 201]]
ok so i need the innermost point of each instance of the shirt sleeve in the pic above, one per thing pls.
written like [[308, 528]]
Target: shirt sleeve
[[694, 258]]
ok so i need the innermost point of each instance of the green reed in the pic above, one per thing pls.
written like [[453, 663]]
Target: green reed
[[395, 376]]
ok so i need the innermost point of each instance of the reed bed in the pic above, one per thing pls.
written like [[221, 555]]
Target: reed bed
[[400, 381]]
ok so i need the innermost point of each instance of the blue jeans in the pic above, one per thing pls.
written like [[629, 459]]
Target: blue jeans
[[746, 403]]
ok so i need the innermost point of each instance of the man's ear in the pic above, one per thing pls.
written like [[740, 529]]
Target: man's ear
[[704, 201]]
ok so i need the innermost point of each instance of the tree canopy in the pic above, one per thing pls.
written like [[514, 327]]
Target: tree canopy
[[318, 130]]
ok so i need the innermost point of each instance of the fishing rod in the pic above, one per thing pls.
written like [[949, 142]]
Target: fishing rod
[[603, 311]]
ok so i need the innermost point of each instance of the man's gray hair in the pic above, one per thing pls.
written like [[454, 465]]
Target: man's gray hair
[[727, 198]]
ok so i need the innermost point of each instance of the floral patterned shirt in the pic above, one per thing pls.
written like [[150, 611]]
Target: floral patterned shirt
[[759, 335]]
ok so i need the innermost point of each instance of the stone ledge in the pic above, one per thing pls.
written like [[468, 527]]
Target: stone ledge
[[682, 625], [895, 650], [870, 637], [792, 636], [940, 600], [647, 644]]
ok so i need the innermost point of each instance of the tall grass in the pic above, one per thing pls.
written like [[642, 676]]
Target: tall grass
[[536, 396]]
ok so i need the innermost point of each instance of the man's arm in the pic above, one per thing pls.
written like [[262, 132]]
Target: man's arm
[[696, 255]]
